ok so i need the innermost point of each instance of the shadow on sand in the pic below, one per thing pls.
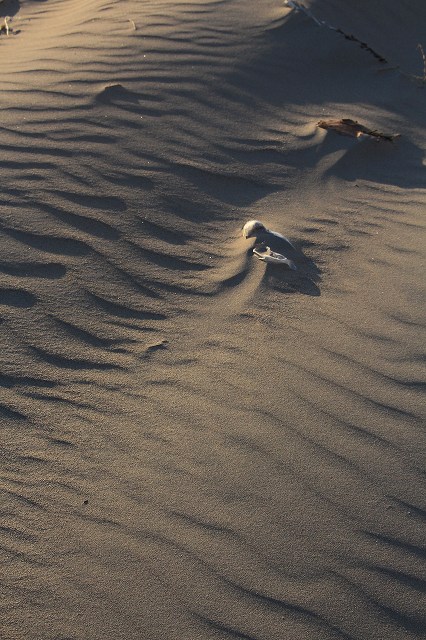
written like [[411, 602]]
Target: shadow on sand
[[9, 8], [305, 279]]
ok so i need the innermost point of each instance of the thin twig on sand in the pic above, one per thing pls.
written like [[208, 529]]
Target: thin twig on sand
[[422, 53]]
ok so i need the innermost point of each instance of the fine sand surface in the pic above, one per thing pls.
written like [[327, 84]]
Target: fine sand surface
[[197, 446]]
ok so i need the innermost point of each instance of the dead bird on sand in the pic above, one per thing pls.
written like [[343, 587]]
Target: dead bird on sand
[[270, 246]]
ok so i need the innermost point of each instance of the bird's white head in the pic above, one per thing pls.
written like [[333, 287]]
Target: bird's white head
[[252, 227]]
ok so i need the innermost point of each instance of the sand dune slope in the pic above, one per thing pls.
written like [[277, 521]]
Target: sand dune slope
[[196, 445]]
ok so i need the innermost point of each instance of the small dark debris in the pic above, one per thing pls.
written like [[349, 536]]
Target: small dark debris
[[352, 128]]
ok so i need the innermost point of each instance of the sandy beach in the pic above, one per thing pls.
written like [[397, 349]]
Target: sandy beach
[[197, 445]]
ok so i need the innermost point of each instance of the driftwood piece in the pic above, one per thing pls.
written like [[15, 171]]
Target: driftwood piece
[[352, 128]]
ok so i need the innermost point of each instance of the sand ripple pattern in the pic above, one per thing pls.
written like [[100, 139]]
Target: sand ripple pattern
[[196, 447]]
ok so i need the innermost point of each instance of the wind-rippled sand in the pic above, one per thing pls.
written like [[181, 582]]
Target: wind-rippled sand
[[196, 446]]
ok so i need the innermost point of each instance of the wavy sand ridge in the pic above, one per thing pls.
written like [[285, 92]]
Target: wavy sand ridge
[[196, 446]]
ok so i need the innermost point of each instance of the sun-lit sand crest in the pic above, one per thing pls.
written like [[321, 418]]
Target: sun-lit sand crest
[[197, 444]]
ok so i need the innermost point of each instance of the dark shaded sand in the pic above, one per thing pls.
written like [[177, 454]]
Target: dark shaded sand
[[197, 446]]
